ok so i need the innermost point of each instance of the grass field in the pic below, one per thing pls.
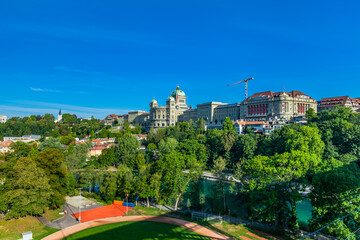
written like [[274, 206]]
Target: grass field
[[235, 231], [12, 229], [53, 214], [136, 231]]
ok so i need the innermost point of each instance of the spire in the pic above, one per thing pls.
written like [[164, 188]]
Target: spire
[[60, 111]]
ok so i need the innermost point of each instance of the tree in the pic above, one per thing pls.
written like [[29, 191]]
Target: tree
[[28, 190], [69, 118], [219, 187], [108, 157], [51, 161], [125, 180], [51, 143], [19, 149], [49, 117], [244, 148], [297, 137], [66, 140], [333, 194], [128, 144], [228, 125], [168, 145], [87, 178], [200, 125], [142, 178], [274, 183], [174, 181], [108, 188], [310, 113]]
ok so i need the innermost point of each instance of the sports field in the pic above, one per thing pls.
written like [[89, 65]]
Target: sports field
[[136, 231]]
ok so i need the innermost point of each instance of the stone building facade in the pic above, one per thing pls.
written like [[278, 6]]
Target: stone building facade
[[263, 106], [170, 114], [345, 101], [276, 105]]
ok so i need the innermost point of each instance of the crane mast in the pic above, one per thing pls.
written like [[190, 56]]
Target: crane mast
[[246, 85]]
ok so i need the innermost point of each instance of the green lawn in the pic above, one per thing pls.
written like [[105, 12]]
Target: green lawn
[[53, 214], [135, 231], [12, 229]]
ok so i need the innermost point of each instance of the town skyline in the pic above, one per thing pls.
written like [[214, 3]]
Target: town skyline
[[101, 113]]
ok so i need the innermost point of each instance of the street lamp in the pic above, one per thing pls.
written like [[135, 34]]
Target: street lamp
[[80, 206]]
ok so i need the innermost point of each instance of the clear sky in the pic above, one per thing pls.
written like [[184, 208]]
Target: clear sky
[[102, 57]]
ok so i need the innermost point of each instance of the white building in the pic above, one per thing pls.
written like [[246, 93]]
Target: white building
[[3, 118]]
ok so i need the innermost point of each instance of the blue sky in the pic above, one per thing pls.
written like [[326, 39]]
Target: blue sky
[[102, 57]]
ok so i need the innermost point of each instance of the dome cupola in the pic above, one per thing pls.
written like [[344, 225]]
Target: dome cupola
[[177, 92]]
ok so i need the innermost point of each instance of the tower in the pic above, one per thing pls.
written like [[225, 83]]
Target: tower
[[59, 116]]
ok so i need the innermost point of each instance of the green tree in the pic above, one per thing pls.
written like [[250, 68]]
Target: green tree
[[125, 181], [108, 188], [244, 148], [49, 117], [128, 146], [219, 187], [168, 145], [87, 178], [273, 183], [29, 191], [50, 143], [108, 157], [69, 118], [174, 181], [51, 160], [200, 125], [336, 193], [310, 113], [228, 125]]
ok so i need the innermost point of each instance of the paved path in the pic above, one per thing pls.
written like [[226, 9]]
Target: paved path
[[68, 220], [192, 226]]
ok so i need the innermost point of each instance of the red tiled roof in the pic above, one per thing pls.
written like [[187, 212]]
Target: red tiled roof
[[99, 147], [251, 123], [140, 135], [258, 131], [332, 101], [271, 94], [5, 143]]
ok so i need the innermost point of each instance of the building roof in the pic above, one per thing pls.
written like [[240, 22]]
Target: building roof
[[270, 94], [140, 135], [334, 101], [99, 147], [250, 123], [5, 143], [177, 92], [171, 99]]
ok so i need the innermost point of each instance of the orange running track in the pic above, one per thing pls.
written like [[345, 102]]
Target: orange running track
[[102, 212]]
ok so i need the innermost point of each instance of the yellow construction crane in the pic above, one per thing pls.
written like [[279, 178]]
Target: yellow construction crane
[[246, 87]]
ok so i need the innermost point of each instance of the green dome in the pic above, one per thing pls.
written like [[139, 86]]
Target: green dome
[[171, 99], [153, 101], [177, 92]]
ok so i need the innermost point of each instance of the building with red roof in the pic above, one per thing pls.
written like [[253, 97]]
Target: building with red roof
[[343, 101], [261, 106]]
